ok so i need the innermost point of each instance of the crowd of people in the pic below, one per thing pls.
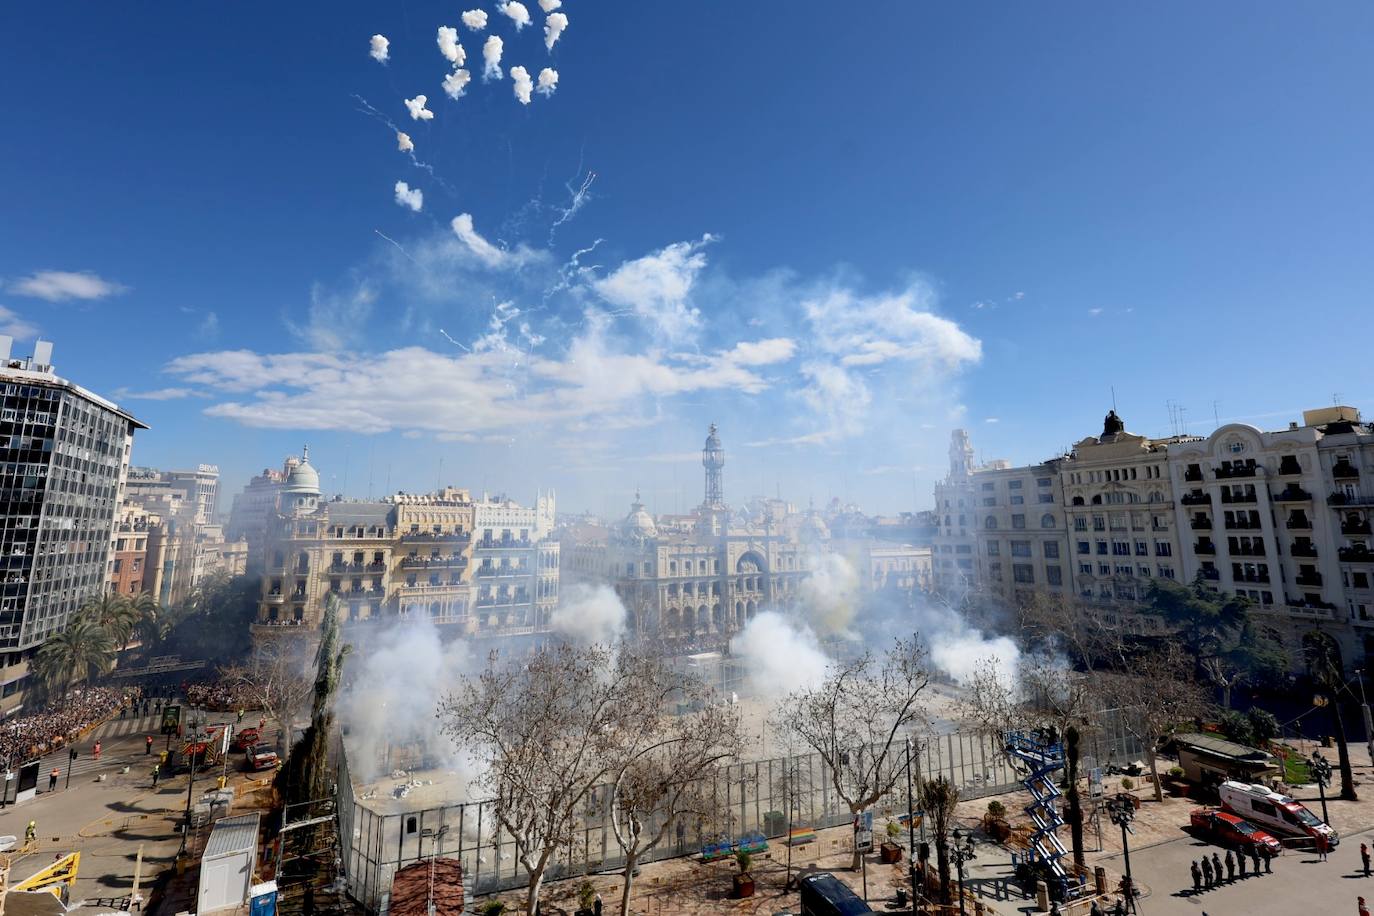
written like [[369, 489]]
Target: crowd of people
[[220, 694], [28, 736]]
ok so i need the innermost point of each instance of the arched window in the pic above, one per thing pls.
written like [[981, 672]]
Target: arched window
[[990, 523], [1047, 520]]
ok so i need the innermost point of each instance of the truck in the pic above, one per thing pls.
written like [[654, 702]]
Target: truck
[[1275, 811], [822, 894]]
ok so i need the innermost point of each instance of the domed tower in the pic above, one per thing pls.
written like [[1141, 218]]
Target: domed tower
[[713, 460], [638, 525], [300, 495], [960, 454]]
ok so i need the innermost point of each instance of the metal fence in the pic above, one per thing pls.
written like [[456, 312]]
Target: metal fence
[[753, 796]]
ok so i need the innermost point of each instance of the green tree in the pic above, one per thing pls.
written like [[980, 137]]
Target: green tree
[[306, 775], [212, 624], [1204, 623], [938, 799], [113, 613], [79, 654], [1264, 725]]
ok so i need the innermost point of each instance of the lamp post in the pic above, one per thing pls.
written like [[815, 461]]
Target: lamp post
[[910, 828], [962, 850], [1121, 809], [1321, 772]]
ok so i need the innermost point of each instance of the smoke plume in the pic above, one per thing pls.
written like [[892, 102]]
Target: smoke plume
[[516, 12], [449, 47], [548, 82], [549, 6], [456, 83], [475, 20], [381, 49], [491, 58], [403, 142], [524, 86], [590, 614], [417, 109], [553, 28], [406, 196], [779, 655]]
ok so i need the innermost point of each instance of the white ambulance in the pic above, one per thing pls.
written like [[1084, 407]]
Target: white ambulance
[[1276, 812]]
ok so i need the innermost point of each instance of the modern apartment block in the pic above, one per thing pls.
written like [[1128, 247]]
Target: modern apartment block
[[1282, 517], [64, 455], [189, 544], [485, 567]]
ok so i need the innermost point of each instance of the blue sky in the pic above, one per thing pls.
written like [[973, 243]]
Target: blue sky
[[835, 233]]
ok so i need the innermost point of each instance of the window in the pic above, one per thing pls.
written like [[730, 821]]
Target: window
[[1023, 573], [1020, 548], [1121, 548], [1047, 520], [1051, 550], [990, 523], [994, 549], [1080, 524], [1046, 497], [1053, 575], [1083, 548], [990, 501], [1014, 484], [1164, 549], [1018, 500], [1018, 521], [1101, 548], [1142, 549], [1085, 568], [1125, 570], [1043, 482], [1104, 569], [1166, 572], [1143, 572], [987, 487]]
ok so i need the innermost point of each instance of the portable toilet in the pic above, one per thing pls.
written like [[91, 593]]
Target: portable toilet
[[226, 866]]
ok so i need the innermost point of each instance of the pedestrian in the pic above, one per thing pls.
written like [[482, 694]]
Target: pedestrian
[[52, 778], [1268, 861], [1323, 846], [147, 745], [1255, 857], [157, 771], [122, 710], [1230, 867], [596, 905], [31, 832], [96, 750], [1364, 910], [1206, 872], [1240, 862], [1096, 909], [1216, 867], [1197, 878], [262, 723], [1364, 857]]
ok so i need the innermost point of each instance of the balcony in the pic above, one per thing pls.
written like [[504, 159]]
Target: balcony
[[1299, 523], [1343, 470], [1289, 466], [1193, 475], [274, 598], [1254, 551], [1196, 499], [1242, 524], [434, 537], [425, 588], [505, 544], [1342, 499], [1355, 528], [1293, 494], [1201, 524], [1358, 554], [1236, 472], [1212, 574], [1303, 550], [357, 568], [1253, 578], [1238, 498], [433, 562], [1206, 548], [493, 572], [1313, 580]]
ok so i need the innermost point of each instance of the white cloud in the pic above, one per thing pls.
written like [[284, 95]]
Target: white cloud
[[548, 81], [553, 28], [406, 196], [487, 253], [871, 330], [549, 6], [403, 142], [491, 57], [456, 83], [62, 285], [837, 397], [475, 20], [158, 394], [1095, 312], [523, 86], [516, 12], [335, 321], [762, 352], [449, 47], [381, 49], [657, 288], [417, 109], [992, 420], [14, 325]]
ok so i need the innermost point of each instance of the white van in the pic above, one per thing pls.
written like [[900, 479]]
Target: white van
[[1279, 813]]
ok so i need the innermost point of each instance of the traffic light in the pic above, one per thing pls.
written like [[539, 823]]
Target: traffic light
[[72, 753]]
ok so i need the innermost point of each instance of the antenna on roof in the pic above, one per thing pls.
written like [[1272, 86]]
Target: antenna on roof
[[1215, 417], [1113, 398]]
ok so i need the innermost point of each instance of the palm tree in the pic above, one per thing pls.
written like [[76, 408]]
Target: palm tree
[[78, 654], [146, 613], [113, 613]]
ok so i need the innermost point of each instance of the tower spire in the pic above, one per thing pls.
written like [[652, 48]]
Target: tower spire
[[713, 460]]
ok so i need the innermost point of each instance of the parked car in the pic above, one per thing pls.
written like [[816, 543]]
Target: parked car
[[1227, 828], [262, 757], [246, 739], [1277, 812]]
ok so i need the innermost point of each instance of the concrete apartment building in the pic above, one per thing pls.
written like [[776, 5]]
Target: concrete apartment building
[[64, 455], [955, 543], [190, 543], [484, 567], [1282, 517]]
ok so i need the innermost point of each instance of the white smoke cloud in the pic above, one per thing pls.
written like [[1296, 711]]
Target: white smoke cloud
[[475, 20], [456, 83], [403, 142], [487, 253], [491, 58], [417, 109], [516, 12], [779, 655], [524, 86], [548, 81], [553, 28], [549, 6], [958, 652], [449, 47], [830, 595], [406, 196], [589, 614], [657, 288], [393, 683], [381, 49]]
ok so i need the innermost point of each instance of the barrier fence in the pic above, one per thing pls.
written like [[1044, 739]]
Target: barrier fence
[[764, 796]]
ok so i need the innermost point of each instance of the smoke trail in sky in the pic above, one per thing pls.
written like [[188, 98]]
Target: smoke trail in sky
[[523, 85], [380, 49], [553, 29], [491, 58]]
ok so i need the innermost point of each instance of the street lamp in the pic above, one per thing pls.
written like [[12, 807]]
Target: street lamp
[[1121, 809], [963, 851], [1321, 772]]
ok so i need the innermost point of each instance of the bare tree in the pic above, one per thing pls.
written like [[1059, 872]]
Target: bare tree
[[853, 717], [274, 679], [665, 763], [549, 729], [1155, 693]]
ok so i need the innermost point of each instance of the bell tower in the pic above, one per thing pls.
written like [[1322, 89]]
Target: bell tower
[[713, 460]]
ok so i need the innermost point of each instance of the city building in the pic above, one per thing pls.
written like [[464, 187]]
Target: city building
[[483, 567], [1281, 517], [954, 545], [254, 509], [138, 546], [64, 457]]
